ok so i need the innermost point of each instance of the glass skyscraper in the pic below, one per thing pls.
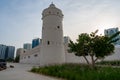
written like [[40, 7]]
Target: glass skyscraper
[[27, 46], [35, 42], [2, 51], [109, 32], [11, 50], [66, 39], [6, 52]]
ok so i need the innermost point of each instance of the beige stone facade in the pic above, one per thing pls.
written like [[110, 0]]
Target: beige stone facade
[[52, 49]]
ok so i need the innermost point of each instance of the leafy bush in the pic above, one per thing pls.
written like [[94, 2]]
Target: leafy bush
[[113, 63], [79, 72]]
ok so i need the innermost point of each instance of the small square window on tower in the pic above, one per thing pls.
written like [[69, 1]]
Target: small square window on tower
[[35, 55], [57, 12], [48, 42], [58, 27]]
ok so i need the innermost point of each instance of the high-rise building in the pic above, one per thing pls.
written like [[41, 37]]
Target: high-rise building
[[6, 52], [35, 42], [2, 51], [66, 39], [109, 32], [11, 51], [27, 46], [19, 50]]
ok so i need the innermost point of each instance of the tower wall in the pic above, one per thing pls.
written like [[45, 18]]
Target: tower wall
[[52, 49]]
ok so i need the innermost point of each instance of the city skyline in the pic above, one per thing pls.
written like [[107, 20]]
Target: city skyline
[[21, 22]]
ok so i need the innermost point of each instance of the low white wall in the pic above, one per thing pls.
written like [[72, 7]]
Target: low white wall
[[115, 55], [31, 57], [71, 58]]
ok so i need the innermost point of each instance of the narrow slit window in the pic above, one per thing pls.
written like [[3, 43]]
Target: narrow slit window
[[48, 42], [58, 27], [28, 56], [35, 55]]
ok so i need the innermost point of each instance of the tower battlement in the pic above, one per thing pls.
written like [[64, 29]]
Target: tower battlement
[[52, 10]]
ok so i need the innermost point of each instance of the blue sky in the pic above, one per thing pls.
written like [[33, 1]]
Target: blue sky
[[20, 20]]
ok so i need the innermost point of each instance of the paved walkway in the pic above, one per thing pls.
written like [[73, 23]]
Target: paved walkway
[[20, 72]]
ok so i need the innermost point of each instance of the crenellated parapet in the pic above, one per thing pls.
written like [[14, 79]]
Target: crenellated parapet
[[52, 10]]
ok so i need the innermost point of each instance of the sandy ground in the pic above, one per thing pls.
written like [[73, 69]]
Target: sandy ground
[[21, 72]]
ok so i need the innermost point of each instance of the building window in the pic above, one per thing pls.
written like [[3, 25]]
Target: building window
[[35, 55], [28, 56], [48, 42], [107, 32], [58, 27], [57, 12]]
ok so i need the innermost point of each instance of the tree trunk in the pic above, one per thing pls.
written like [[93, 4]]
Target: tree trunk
[[86, 59], [96, 59], [93, 62]]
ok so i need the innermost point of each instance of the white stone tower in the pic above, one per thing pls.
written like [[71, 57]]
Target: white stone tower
[[52, 48]]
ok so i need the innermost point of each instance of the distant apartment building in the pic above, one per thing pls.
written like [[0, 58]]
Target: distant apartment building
[[66, 39], [19, 50], [2, 51], [35, 42], [109, 32], [6, 52], [27, 46], [11, 51]]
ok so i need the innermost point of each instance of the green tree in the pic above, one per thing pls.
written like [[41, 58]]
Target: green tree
[[93, 45], [17, 58], [10, 60]]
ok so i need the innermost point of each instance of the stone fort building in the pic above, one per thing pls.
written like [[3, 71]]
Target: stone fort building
[[52, 49]]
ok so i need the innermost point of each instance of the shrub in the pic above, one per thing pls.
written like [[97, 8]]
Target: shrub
[[79, 72], [113, 63]]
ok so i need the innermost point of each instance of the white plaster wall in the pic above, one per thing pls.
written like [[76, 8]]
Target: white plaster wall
[[53, 52], [30, 56], [69, 57], [53, 56], [72, 58], [115, 55]]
